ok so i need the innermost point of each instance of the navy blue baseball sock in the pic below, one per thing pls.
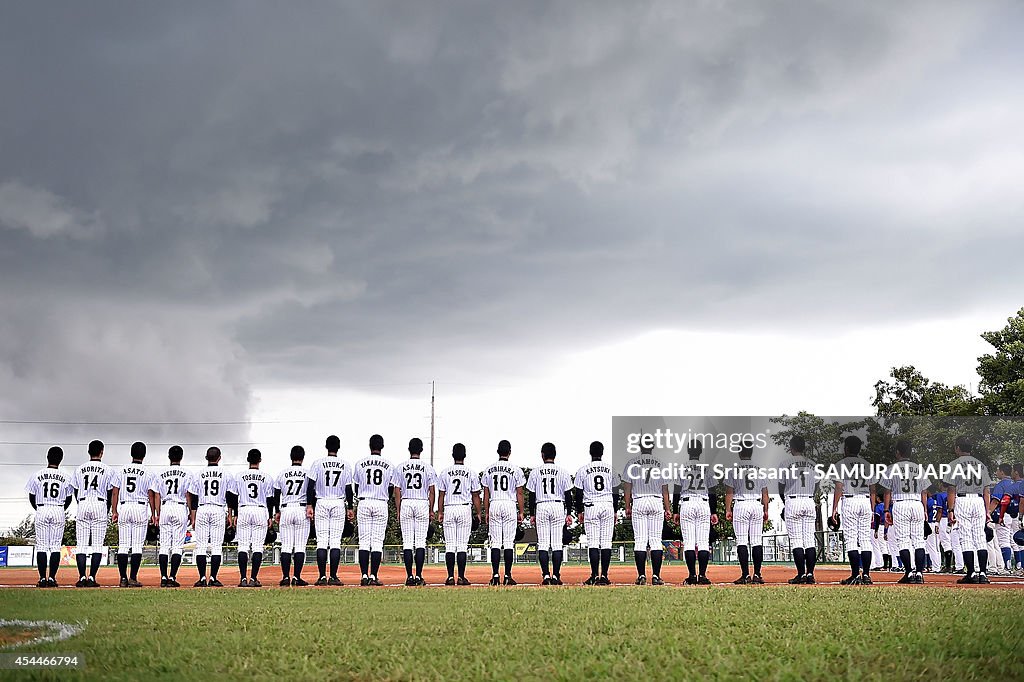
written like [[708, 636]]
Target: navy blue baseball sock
[[606, 561], [510, 556], [162, 560], [94, 565], [865, 562], [201, 565], [495, 560], [640, 558], [905, 561], [798, 559], [691, 562], [286, 563], [243, 564], [407, 558], [656, 557], [919, 557], [854, 564], [80, 560], [968, 564], [449, 563], [542, 557], [175, 564], [375, 559], [810, 557], [556, 562], [758, 556], [321, 560], [364, 561], [982, 560], [215, 565], [122, 565], [257, 561], [54, 563], [335, 560], [594, 554], [743, 554], [703, 556], [461, 560], [41, 564], [298, 558], [421, 556]]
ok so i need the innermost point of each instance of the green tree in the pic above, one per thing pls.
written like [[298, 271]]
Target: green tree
[[1002, 371], [21, 534]]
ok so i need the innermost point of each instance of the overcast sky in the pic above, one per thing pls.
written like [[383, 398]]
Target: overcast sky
[[244, 211]]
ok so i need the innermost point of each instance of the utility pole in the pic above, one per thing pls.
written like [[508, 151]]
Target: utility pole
[[431, 423]]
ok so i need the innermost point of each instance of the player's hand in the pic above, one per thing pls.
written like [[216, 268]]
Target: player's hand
[[579, 517], [952, 517], [277, 517], [888, 519], [765, 515], [113, 516], [156, 520], [309, 512], [629, 512], [714, 519], [728, 516], [533, 521], [484, 517], [270, 523], [675, 519], [520, 517], [351, 514], [440, 517], [568, 520]]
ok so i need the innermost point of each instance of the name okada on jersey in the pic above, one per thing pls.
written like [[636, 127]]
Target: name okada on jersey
[[672, 471]]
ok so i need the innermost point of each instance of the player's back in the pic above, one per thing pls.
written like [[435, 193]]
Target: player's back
[[502, 479], [50, 486], [906, 482], [330, 476], [747, 481], [373, 476], [292, 484], [855, 474], [549, 482], [799, 478], [171, 483], [695, 479], [643, 473], [597, 480], [969, 475], [458, 482], [92, 480], [132, 482], [414, 478], [211, 485], [253, 487]]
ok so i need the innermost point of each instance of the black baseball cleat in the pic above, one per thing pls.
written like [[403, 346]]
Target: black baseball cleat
[[163, 582], [92, 581], [172, 582], [967, 580], [299, 582], [592, 580], [285, 582], [53, 582], [852, 580], [84, 582], [363, 582], [334, 581], [742, 580], [797, 580], [132, 582], [450, 582], [420, 582], [321, 581], [546, 581], [463, 581], [907, 579], [201, 583], [243, 583], [690, 580], [255, 583], [216, 583], [43, 582], [410, 581], [809, 579], [983, 579], [509, 580], [374, 582], [703, 580], [917, 578], [640, 580], [556, 580], [603, 580], [656, 580], [123, 583], [866, 580], [757, 579]]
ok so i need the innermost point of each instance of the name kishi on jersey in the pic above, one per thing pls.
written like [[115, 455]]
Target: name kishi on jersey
[[548, 483]]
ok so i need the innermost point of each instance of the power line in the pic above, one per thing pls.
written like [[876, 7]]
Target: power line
[[148, 443], [245, 422]]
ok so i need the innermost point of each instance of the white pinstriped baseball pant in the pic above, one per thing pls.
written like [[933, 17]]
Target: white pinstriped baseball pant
[[252, 528], [695, 522], [210, 522], [414, 520], [799, 522], [132, 522], [50, 520], [91, 526], [648, 522], [173, 519], [550, 523], [373, 521], [294, 529], [458, 523], [598, 523]]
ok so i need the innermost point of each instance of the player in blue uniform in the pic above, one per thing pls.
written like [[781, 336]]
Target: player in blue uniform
[[941, 529], [1002, 495], [931, 543]]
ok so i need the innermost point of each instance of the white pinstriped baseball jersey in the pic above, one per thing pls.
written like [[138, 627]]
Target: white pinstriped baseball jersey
[[799, 477], [253, 488], [211, 486], [905, 481], [132, 482], [747, 481], [171, 483], [459, 483], [643, 474], [51, 487], [969, 475], [502, 479], [292, 484], [373, 476], [597, 480], [330, 475], [414, 478], [855, 474], [92, 481], [695, 479], [549, 482]]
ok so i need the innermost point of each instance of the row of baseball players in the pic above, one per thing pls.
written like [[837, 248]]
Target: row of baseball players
[[325, 493]]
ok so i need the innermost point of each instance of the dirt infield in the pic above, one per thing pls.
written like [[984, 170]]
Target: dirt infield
[[526, 574]]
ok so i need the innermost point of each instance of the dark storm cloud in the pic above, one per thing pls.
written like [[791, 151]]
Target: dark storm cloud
[[206, 195]]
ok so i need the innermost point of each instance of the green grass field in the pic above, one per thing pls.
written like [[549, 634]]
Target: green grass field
[[569, 633]]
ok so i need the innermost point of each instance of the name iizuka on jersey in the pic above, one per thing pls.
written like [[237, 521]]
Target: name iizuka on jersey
[[373, 476], [502, 480], [171, 484], [92, 481], [458, 483], [211, 486], [597, 480], [132, 480], [414, 479], [292, 484], [330, 476]]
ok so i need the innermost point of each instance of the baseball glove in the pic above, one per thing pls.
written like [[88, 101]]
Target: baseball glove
[[989, 534], [348, 530], [566, 536], [833, 523], [1018, 537], [271, 536], [229, 534], [431, 532], [927, 529], [520, 532]]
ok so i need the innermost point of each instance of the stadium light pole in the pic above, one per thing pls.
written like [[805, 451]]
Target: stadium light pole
[[431, 423]]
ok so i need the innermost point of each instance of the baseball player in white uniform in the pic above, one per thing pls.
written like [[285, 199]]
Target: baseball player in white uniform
[[503, 509], [648, 506], [907, 489], [797, 490], [414, 481], [49, 492], [209, 489], [291, 518], [855, 487], [371, 481], [328, 505], [171, 514], [254, 495], [597, 497], [91, 481], [551, 504], [130, 500], [697, 505], [747, 486], [969, 484], [458, 488]]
